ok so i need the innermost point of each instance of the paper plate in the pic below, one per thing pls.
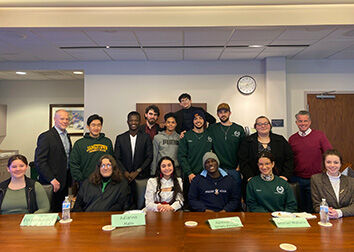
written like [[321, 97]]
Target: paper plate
[[287, 247], [281, 214]]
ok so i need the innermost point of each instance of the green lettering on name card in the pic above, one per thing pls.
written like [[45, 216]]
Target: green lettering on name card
[[228, 222], [45, 219], [291, 222], [128, 220]]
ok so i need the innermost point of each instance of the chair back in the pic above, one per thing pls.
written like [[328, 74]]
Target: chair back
[[140, 192], [296, 190], [49, 191]]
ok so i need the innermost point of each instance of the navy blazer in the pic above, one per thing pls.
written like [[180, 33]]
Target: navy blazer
[[50, 158], [142, 154]]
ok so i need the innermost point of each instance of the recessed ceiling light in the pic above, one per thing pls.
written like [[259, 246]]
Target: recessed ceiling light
[[21, 73], [107, 46], [78, 72], [256, 46]]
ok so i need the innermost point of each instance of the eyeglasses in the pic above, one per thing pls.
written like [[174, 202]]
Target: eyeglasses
[[263, 124], [106, 165]]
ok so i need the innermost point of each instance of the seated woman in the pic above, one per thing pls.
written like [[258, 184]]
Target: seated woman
[[338, 190], [267, 192], [20, 194], [265, 140], [164, 192], [104, 190]]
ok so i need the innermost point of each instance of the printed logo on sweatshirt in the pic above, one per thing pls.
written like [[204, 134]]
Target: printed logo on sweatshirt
[[237, 133], [210, 139], [170, 142], [280, 189], [96, 147]]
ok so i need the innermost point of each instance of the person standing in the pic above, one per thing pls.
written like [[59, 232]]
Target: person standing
[[308, 145], [192, 147], [227, 137], [133, 152], [185, 116], [151, 127], [166, 144], [88, 150], [52, 158]]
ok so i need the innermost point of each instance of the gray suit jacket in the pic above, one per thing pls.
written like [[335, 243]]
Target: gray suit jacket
[[321, 188]]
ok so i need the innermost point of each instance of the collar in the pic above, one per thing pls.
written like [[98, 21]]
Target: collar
[[306, 133], [204, 173], [60, 131], [333, 177]]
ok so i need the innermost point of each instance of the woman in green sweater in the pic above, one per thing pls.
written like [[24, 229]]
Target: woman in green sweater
[[20, 194], [267, 192]]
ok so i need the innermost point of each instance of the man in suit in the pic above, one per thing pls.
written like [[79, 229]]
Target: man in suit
[[52, 158], [133, 152]]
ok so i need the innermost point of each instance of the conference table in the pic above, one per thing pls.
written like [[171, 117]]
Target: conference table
[[167, 232]]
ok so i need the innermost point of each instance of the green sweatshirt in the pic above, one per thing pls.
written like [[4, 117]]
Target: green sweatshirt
[[191, 150], [270, 196], [226, 142], [86, 153]]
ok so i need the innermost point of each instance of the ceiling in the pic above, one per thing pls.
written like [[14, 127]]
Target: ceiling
[[39, 75], [175, 44]]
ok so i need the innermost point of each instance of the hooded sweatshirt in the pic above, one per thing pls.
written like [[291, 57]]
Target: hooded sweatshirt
[[86, 153]]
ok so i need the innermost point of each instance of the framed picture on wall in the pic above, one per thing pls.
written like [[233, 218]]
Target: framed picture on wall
[[76, 117]]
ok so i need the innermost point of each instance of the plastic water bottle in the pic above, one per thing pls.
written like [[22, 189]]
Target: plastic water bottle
[[66, 209], [324, 212]]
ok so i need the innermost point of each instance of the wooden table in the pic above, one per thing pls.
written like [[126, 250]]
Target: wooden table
[[166, 232]]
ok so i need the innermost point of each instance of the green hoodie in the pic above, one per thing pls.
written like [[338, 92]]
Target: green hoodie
[[85, 154]]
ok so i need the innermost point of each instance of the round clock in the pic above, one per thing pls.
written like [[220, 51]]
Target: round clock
[[246, 85]]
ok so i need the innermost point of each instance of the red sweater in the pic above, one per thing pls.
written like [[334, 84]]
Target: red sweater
[[308, 152]]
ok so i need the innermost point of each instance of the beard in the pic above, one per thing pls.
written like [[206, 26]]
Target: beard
[[151, 121], [224, 120], [198, 127]]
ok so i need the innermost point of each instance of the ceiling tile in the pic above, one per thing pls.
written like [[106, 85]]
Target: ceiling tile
[[240, 53], [126, 54], [206, 36], [112, 37], [162, 37], [164, 54], [88, 54], [202, 53], [255, 35]]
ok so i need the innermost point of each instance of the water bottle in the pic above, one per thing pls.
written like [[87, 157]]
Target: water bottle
[[324, 212], [66, 209]]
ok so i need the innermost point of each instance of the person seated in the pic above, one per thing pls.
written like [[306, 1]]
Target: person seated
[[268, 192], [105, 189], [164, 192], [213, 190], [265, 140], [20, 194], [337, 189]]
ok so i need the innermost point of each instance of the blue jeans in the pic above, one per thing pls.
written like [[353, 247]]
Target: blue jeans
[[305, 204]]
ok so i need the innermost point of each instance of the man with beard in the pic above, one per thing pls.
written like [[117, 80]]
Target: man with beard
[[213, 190], [227, 137], [151, 115], [133, 152], [192, 147]]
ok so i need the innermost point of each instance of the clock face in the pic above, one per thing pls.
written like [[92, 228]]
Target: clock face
[[246, 85]]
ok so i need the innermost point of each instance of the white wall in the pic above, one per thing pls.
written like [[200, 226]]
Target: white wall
[[28, 109], [112, 90], [315, 75]]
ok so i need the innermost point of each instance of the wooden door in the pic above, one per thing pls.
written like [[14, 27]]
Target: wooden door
[[164, 109], [335, 117]]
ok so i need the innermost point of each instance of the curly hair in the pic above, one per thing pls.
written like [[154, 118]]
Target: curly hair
[[176, 187], [96, 177]]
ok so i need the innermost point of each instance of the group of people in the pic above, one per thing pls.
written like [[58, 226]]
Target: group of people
[[190, 162]]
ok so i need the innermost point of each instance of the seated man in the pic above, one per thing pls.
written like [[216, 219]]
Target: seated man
[[212, 189]]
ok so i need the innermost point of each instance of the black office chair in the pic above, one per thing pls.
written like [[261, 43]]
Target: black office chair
[[296, 190], [140, 192]]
